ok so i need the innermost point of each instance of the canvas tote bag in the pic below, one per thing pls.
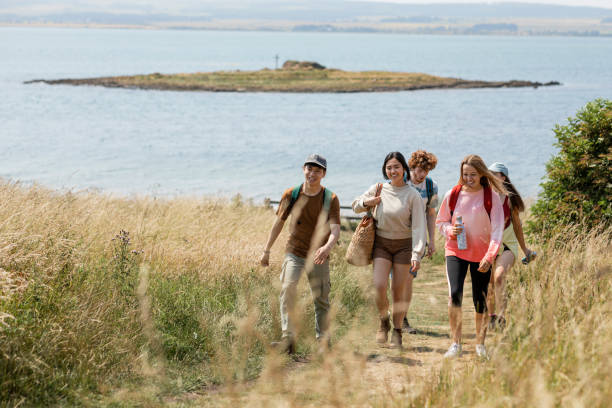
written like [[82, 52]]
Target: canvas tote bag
[[359, 252]]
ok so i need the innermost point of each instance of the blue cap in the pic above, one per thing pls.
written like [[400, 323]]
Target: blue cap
[[499, 168]]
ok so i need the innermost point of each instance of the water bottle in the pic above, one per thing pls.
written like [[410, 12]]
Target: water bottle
[[461, 239]]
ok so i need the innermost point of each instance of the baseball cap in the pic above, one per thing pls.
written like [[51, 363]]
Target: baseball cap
[[500, 168], [316, 159]]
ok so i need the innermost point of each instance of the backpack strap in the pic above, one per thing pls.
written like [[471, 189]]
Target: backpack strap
[[452, 201], [294, 196], [488, 200], [507, 213], [429, 188], [295, 193], [327, 197]]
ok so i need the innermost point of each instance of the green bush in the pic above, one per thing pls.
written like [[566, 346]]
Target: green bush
[[578, 187]]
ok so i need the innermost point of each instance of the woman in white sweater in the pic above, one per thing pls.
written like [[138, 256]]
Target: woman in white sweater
[[400, 240]]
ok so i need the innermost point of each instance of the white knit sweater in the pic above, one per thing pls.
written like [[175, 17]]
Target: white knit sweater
[[400, 215]]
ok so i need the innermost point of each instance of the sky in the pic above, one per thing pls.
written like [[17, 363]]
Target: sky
[[42, 6], [592, 3]]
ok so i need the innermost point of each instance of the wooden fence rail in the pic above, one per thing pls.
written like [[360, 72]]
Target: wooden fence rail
[[342, 207]]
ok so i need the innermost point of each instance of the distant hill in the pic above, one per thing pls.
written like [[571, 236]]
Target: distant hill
[[100, 18]]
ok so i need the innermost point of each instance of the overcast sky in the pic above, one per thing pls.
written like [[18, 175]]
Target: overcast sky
[[594, 3], [42, 6]]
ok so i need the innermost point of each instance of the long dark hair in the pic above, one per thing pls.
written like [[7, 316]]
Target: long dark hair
[[400, 158], [513, 194]]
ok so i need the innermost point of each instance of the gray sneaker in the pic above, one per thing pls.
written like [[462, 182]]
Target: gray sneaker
[[453, 351], [481, 351]]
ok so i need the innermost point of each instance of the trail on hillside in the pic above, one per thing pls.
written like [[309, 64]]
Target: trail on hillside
[[358, 371]]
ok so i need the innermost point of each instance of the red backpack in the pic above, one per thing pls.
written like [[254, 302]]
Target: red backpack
[[488, 203]]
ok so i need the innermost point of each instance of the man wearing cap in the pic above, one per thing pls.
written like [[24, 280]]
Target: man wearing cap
[[314, 229]]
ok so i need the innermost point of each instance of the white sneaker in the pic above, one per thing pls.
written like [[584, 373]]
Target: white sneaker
[[453, 351], [481, 351]]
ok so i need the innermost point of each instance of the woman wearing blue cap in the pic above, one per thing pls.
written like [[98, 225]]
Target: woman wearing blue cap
[[508, 252]]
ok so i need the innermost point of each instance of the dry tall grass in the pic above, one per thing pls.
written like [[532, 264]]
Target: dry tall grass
[[42, 231], [69, 312], [84, 320], [556, 349]]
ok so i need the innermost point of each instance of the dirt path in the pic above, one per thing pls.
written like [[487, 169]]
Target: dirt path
[[357, 371]]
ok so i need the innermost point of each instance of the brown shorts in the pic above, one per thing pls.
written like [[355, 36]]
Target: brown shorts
[[398, 251]]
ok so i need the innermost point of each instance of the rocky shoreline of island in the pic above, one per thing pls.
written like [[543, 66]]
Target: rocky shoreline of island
[[292, 77]]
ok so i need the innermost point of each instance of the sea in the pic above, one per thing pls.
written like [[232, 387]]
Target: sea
[[130, 142]]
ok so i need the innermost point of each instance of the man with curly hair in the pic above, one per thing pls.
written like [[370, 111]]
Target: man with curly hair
[[420, 164]]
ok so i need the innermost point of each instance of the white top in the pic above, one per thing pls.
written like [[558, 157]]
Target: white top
[[400, 215]]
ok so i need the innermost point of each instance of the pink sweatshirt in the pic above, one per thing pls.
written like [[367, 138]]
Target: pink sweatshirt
[[483, 235]]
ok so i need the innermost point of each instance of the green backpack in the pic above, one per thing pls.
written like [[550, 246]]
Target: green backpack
[[296, 192]]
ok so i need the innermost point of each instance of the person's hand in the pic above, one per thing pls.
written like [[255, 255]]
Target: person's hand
[[265, 259], [431, 248], [371, 202], [456, 230], [484, 266], [416, 265], [530, 254], [321, 254]]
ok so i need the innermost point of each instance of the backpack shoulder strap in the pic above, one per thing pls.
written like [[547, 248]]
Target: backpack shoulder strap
[[507, 213], [295, 193], [488, 200], [452, 200], [327, 197], [294, 196], [429, 188]]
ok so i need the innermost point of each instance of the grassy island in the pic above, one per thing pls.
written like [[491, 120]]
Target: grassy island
[[294, 76]]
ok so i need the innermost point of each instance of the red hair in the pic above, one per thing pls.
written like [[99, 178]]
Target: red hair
[[425, 160]]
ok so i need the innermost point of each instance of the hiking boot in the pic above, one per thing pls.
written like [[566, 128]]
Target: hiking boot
[[481, 351], [383, 331], [406, 328], [453, 351], [396, 339], [492, 321], [285, 345]]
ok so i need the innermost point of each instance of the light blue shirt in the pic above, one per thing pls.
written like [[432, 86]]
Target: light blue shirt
[[422, 189]]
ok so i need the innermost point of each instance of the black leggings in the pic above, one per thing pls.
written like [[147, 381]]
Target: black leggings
[[456, 271]]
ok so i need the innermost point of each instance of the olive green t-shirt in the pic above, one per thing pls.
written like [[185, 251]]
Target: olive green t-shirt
[[305, 214]]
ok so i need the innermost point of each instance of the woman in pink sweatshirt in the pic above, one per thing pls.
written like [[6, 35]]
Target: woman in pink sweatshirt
[[483, 223]]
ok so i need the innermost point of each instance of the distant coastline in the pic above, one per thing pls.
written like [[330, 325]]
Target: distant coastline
[[582, 28], [293, 77], [480, 17]]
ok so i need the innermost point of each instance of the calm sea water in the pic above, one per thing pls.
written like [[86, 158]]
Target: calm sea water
[[180, 143]]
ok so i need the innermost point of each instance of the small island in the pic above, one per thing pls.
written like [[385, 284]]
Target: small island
[[294, 76]]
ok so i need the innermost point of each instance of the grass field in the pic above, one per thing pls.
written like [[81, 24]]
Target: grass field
[[150, 302]]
